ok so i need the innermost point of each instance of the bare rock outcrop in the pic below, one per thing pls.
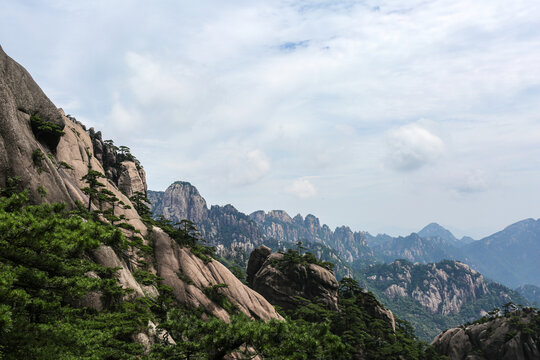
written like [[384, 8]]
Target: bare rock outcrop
[[132, 178], [21, 154], [512, 337], [283, 282], [181, 201], [189, 276], [441, 288]]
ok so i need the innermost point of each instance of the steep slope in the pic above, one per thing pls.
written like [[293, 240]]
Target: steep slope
[[50, 157], [515, 336], [436, 296], [510, 256]]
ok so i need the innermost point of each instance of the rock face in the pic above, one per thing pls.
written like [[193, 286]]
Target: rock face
[[180, 201], [515, 337], [530, 292], [441, 288], [20, 98], [350, 246], [195, 276], [66, 159], [436, 296], [282, 282], [232, 232]]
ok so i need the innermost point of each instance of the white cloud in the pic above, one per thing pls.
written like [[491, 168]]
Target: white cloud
[[247, 167], [472, 181], [411, 147], [302, 188], [204, 91]]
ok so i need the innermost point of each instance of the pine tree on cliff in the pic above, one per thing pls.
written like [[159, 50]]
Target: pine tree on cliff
[[92, 190], [140, 203]]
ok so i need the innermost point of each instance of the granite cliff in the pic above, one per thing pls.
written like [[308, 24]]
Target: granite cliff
[[48, 153]]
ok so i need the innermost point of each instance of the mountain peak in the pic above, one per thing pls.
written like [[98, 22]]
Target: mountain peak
[[435, 230]]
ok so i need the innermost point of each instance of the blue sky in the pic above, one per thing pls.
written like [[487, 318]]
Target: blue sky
[[383, 116]]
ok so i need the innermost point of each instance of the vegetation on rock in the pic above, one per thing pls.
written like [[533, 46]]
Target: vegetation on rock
[[47, 132]]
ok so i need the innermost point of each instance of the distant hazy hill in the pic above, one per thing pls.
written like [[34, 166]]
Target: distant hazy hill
[[436, 296], [416, 249], [436, 230], [510, 256], [530, 292]]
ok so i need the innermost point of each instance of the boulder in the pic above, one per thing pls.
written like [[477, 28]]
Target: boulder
[[284, 283]]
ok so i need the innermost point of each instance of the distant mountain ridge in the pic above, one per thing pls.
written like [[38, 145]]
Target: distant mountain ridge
[[530, 292], [508, 256], [435, 230]]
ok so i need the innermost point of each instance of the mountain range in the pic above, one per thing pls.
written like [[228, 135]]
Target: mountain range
[[509, 256], [434, 286]]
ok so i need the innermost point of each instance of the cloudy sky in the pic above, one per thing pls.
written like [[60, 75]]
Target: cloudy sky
[[381, 115]]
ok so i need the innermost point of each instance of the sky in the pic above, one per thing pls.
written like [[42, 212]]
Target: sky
[[380, 115]]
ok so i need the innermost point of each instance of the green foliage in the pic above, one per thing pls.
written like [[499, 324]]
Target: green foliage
[[42, 191], [64, 165], [184, 277], [363, 328], [214, 339], [93, 189], [44, 266], [214, 293], [45, 131], [140, 202], [293, 257], [13, 186], [145, 277], [37, 158], [185, 233]]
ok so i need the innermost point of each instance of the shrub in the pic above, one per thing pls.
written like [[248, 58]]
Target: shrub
[[45, 131]]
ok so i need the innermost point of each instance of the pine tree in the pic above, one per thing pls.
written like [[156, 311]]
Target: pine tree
[[93, 188]]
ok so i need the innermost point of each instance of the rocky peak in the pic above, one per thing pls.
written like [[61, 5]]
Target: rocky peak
[[182, 201], [279, 215], [298, 219], [436, 230], [514, 336], [312, 223], [258, 216], [124, 170], [283, 282]]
